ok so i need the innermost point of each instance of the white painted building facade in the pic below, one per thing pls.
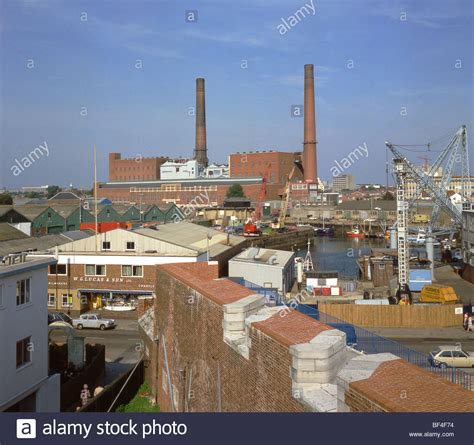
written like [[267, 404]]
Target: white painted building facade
[[25, 385]]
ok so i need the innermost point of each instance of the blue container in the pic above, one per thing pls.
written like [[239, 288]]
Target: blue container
[[419, 278]]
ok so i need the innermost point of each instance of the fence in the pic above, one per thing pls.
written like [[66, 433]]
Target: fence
[[271, 294], [414, 316], [371, 343], [92, 375], [104, 400]]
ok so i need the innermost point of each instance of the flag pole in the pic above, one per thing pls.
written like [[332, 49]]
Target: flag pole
[[95, 199]]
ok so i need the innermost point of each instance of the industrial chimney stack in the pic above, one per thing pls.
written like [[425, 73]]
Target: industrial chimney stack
[[309, 144], [200, 151]]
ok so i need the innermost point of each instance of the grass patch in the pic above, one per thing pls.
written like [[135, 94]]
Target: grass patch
[[141, 403]]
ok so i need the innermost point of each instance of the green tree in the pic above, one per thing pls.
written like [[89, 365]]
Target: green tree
[[388, 196], [32, 195], [53, 190], [235, 191], [6, 199]]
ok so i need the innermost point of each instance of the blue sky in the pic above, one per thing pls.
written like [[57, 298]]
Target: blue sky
[[410, 79]]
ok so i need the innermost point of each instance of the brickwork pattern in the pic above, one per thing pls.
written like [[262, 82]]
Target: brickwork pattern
[[398, 386], [200, 362]]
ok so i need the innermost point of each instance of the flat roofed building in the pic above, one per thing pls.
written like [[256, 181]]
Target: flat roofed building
[[265, 267]]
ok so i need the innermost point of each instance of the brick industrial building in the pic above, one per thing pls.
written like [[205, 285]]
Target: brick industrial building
[[212, 345], [120, 265], [134, 169], [262, 174]]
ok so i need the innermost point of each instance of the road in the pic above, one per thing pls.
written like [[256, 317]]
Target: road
[[122, 346], [427, 345]]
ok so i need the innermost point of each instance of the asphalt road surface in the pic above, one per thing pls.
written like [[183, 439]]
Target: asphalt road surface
[[427, 345], [122, 346]]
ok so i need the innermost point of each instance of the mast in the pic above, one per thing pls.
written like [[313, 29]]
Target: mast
[[95, 199]]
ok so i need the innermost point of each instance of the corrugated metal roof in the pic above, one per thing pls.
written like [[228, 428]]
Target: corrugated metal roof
[[8, 232], [32, 244], [192, 236]]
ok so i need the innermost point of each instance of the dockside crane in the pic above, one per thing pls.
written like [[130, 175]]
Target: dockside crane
[[285, 199], [454, 153]]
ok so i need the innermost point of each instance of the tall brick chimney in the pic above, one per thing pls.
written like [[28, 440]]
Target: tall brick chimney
[[200, 151], [309, 144]]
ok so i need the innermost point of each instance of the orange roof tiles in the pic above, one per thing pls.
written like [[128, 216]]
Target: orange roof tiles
[[204, 278], [399, 386], [291, 327]]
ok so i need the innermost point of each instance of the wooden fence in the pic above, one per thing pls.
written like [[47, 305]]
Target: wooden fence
[[393, 316]]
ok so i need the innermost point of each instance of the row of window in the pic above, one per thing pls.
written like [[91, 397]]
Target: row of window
[[66, 300], [129, 245], [100, 270]]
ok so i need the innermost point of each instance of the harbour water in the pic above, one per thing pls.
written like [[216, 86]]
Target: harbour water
[[340, 254]]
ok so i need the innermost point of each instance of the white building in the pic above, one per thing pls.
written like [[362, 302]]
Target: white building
[[179, 169], [25, 385], [265, 267], [343, 182], [216, 171]]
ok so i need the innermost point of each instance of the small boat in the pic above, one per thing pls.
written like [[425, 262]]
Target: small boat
[[355, 233]]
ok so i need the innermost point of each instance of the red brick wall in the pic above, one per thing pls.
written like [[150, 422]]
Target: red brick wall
[[135, 169], [357, 402], [192, 326], [275, 165], [183, 197]]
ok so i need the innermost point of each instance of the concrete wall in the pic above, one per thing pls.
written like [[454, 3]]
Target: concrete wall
[[265, 275]]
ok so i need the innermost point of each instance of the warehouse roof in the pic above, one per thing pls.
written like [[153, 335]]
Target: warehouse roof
[[8, 232], [32, 244], [193, 236]]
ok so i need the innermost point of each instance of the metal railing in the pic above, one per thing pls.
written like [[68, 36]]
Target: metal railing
[[271, 294], [370, 343]]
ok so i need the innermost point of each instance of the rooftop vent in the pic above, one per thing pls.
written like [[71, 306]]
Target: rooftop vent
[[12, 259]]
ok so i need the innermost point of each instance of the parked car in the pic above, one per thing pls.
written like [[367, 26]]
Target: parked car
[[93, 321], [455, 356], [59, 316]]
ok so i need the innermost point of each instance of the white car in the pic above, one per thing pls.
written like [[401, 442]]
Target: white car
[[94, 321], [455, 356]]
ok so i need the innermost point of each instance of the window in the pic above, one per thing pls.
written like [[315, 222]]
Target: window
[[105, 245], [60, 269], [23, 352], [132, 271], [95, 269], [446, 354], [22, 292], [459, 354], [51, 300], [66, 300], [381, 266], [130, 245]]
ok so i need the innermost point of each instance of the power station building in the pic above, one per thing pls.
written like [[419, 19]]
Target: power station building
[[262, 174]]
